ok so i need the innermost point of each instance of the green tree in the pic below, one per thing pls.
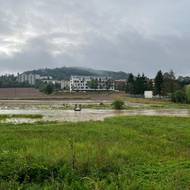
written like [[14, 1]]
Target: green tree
[[118, 104], [130, 84], [179, 97], [150, 85], [187, 92], [170, 84], [158, 83], [144, 83], [140, 84], [46, 88]]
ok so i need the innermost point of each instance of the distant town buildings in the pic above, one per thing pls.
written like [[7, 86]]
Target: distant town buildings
[[120, 85], [89, 83], [28, 78], [65, 85], [32, 78], [76, 83]]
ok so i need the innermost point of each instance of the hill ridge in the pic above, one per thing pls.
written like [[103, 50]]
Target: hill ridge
[[64, 73]]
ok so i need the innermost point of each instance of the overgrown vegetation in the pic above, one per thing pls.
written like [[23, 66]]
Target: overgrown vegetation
[[120, 153], [118, 104], [181, 96], [46, 88], [24, 116]]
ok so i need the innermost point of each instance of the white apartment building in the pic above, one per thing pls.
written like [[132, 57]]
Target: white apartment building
[[29, 78], [90, 83], [65, 85]]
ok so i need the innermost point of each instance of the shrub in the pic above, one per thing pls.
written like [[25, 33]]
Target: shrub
[[187, 93], [118, 104], [179, 97], [47, 88]]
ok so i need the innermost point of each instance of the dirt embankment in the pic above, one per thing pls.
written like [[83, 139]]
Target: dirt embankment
[[20, 93], [34, 94]]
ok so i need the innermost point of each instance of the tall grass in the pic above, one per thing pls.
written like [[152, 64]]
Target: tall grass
[[24, 116], [119, 153]]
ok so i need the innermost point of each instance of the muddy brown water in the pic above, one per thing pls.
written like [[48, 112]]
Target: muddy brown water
[[54, 111], [88, 114]]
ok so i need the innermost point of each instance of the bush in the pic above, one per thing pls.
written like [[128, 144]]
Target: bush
[[47, 88], [118, 104], [187, 93], [179, 97]]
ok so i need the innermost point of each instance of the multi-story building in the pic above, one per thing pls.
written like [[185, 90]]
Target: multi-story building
[[91, 83], [65, 85], [28, 78], [120, 85]]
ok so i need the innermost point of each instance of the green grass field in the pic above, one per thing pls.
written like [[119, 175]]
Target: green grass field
[[118, 154]]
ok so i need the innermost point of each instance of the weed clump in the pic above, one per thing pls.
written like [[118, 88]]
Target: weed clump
[[118, 104]]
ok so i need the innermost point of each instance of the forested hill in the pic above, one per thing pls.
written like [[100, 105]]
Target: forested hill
[[65, 73]]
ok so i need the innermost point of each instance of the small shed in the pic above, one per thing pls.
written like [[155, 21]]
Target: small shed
[[148, 94]]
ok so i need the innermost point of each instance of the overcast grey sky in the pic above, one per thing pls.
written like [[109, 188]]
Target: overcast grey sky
[[127, 35]]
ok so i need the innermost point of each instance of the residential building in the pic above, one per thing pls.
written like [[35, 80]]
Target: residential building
[[90, 83], [28, 78], [65, 85], [120, 85]]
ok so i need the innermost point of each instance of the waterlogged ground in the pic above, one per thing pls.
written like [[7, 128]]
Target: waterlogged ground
[[61, 111], [84, 115]]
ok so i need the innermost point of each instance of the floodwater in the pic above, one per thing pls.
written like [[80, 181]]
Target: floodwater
[[55, 111], [87, 114]]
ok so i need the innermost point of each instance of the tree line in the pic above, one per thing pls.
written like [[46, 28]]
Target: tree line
[[163, 85]]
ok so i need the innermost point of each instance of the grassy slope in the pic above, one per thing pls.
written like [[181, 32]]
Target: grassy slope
[[120, 153]]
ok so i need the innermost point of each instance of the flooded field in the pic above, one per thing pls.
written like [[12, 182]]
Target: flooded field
[[44, 104], [61, 111], [86, 114]]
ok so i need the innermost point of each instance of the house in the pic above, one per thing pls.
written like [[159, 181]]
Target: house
[[91, 83]]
